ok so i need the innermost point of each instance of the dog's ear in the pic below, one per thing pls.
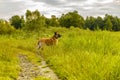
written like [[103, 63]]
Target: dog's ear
[[55, 33]]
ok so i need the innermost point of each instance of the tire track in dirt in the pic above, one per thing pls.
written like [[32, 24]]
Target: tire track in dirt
[[30, 70]]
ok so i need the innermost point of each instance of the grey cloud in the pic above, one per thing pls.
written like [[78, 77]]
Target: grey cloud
[[52, 2], [57, 7], [9, 8]]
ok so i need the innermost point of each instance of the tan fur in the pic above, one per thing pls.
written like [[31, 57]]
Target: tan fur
[[49, 41]]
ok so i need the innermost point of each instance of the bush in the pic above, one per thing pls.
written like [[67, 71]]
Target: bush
[[5, 27]]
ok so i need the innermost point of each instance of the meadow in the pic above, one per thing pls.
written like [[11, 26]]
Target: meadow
[[79, 55]]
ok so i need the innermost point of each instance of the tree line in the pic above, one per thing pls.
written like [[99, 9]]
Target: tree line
[[34, 21]]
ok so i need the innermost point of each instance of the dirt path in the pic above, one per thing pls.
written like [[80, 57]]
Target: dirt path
[[30, 70]]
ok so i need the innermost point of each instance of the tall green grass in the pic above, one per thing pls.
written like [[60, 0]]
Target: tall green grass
[[79, 55], [86, 55], [11, 46], [7, 60]]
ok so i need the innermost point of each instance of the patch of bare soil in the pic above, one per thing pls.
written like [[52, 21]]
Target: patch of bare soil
[[30, 70]]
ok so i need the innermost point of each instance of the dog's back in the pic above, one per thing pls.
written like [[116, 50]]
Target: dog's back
[[49, 41]]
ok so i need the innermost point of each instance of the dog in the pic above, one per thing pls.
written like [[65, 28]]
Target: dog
[[48, 41]]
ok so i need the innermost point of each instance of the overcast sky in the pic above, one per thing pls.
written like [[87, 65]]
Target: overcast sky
[[8, 8]]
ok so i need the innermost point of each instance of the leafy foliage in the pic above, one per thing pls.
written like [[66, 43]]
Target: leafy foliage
[[5, 27], [35, 21], [53, 21], [17, 21], [71, 19]]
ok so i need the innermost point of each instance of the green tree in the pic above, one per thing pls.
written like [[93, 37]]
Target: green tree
[[71, 19], [90, 23], [99, 24], [5, 27], [116, 23], [34, 20], [87, 24], [22, 21], [108, 25], [54, 21], [16, 21]]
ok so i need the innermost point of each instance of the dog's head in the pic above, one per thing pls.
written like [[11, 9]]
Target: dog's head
[[57, 35]]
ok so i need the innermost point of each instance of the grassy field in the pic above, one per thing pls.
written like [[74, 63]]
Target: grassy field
[[79, 55], [11, 46]]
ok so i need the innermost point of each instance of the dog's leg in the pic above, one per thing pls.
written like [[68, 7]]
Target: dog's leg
[[39, 45]]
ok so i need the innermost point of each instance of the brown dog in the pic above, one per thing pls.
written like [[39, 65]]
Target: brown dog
[[48, 41]]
